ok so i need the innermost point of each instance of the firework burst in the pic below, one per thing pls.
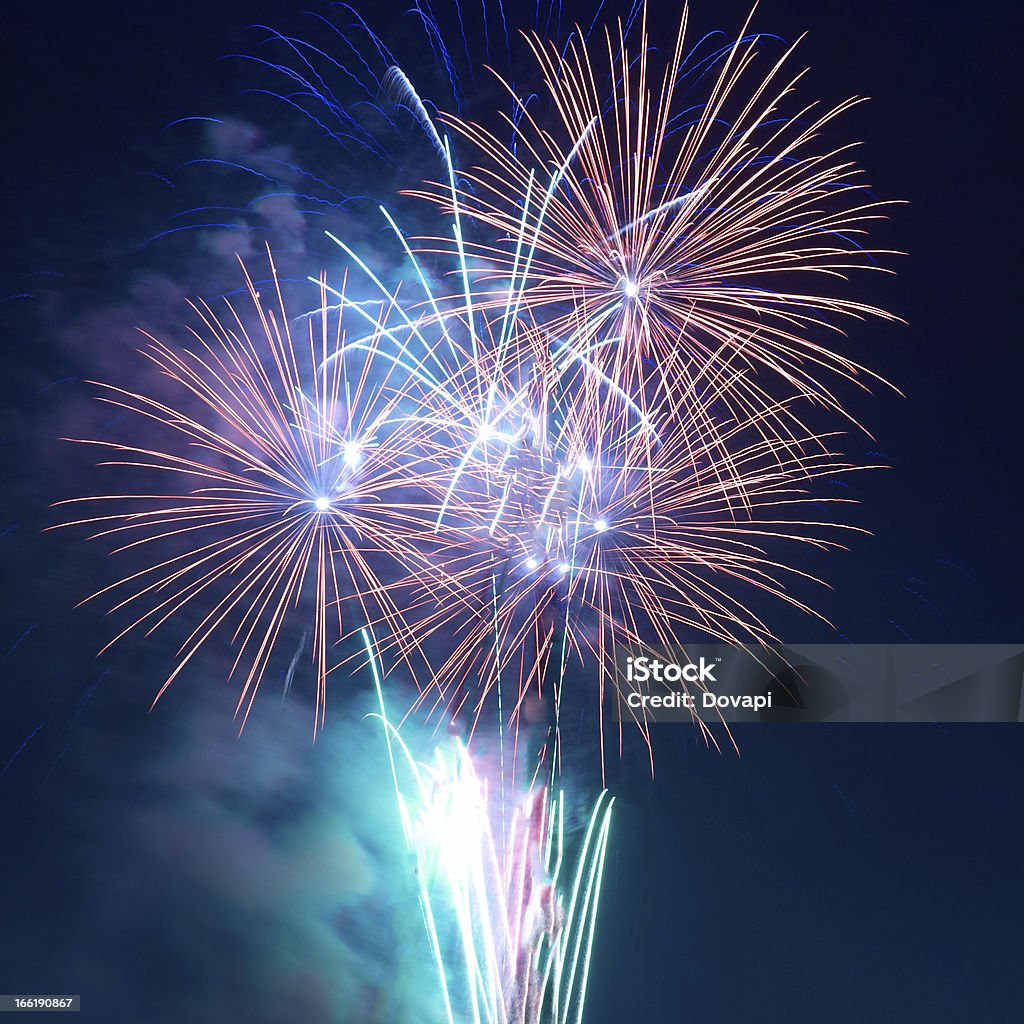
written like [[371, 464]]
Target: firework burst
[[577, 427], [575, 518], [589, 434], [679, 227], [287, 484], [577, 538]]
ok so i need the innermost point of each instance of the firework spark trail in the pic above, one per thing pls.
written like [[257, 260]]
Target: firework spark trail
[[17, 643], [14, 757], [396, 82], [511, 935], [74, 718]]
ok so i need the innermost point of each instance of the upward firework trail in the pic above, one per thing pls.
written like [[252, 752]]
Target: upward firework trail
[[510, 929]]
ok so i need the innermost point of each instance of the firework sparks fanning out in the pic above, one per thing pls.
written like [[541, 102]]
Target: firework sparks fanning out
[[603, 452], [572, 520], [693, 232], [298, 480]]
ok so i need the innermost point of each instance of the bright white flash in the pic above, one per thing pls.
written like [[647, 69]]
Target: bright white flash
[[585, 464], [563, 568], [630, 288], [322, 503], [352, 454], [532, 563], [600, 525]]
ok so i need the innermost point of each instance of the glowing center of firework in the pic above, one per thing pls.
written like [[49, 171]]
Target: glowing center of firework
[[532, 563], [585, 464], [564, 568], [485, 433], [322, 504], [630, 288], [352, 456], [600, 525]]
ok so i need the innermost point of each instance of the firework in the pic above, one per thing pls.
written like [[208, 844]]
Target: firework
[[510, 939], [574, 519], [666, 225], [586, 436], [578, 426], [537, 506], [286, 485], [590, 547]]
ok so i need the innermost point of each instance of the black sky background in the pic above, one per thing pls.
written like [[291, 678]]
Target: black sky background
[[828, 873]]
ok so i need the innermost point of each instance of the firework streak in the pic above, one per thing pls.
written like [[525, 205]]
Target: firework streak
[[677, 228], [509, 941]]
